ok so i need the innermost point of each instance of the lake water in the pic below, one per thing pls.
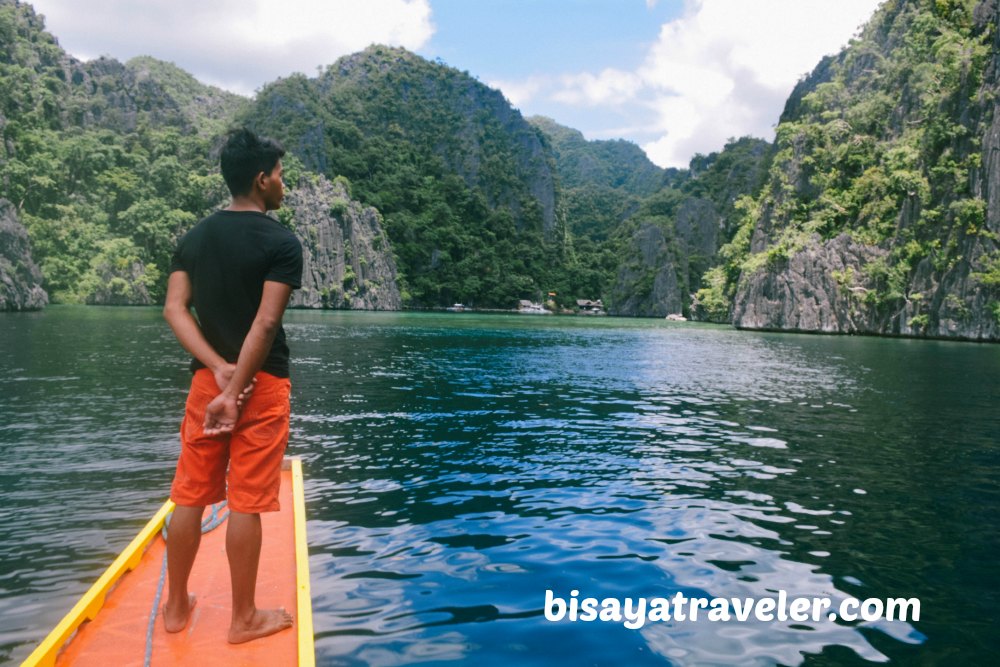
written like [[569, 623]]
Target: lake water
[[459, 465]]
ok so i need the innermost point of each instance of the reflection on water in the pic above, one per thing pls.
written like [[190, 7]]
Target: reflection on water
[[458, 466]]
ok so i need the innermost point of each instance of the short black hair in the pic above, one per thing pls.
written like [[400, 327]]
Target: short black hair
[[245, 155]]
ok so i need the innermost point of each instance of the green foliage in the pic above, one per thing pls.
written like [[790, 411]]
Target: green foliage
[[919, 322], [990, 276], [715, 298], [117, 275]]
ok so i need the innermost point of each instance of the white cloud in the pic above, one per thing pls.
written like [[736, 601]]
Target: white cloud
[[724, 69], [519, 92], [239, 45], [609, 87]]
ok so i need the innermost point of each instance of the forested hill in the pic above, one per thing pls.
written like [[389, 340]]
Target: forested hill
[[882, 209], [104, 163], [467, 188]]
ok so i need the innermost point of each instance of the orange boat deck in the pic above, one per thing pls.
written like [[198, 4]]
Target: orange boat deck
[[118, 633]]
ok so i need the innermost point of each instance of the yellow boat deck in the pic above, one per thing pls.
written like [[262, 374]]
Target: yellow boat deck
[[116, 633]]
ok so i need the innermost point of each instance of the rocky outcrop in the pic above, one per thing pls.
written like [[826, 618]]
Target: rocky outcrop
[[20, 278], [820, 288], [119, 96], [663, 265], [647, 285], [697, 225], [347, 261]]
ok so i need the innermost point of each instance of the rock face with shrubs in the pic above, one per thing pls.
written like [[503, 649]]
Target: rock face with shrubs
[[347, 259], [881, 214], [20, 278]]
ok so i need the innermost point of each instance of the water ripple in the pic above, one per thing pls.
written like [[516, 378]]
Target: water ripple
[[459, 467]]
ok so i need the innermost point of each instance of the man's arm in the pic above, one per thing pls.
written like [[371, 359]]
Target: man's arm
[[221, 413], [177, 312]]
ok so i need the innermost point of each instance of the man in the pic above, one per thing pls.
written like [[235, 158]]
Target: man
[[238, 268]]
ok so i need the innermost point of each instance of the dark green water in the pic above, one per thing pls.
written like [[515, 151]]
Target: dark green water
[[457, 466]]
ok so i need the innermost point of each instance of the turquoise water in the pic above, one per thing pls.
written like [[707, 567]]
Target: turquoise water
[[459, 465]]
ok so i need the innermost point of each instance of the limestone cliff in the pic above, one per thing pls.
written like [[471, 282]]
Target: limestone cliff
[[816, 290], [467, 187], [647, 285], [347, 260], [20, 278], [882, 210], [678, 232], [118, 96]]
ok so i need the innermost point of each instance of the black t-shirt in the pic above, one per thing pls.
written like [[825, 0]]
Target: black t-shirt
[[228, 256]]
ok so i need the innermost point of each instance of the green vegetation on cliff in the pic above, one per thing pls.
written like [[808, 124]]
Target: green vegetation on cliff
[[883, 143], [106, 163], [875, 209]]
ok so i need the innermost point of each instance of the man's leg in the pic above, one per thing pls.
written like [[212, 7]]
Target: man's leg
[[183, 539], [243, 538]]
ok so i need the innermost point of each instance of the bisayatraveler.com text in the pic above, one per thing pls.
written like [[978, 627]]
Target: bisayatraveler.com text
[[634, 613]]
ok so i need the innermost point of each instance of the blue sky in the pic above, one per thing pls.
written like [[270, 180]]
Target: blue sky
[[502, 39], [516, 40], [677, 77]]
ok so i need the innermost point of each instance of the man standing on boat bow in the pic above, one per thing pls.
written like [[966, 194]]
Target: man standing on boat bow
[[238, 268]]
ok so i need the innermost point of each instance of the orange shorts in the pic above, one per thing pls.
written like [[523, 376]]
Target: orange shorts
[[251, 454]]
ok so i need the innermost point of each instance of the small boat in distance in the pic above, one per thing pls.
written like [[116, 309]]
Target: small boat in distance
[[118, 621], [456, 308], [525, 307]]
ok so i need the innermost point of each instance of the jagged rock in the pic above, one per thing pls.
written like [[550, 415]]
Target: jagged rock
[[820, 288], [700, 221], [20, 278], [697, 225], [347, 261], [647, 286], [119, 96]]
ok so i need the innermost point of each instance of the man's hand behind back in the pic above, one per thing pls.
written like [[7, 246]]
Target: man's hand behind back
[[223, 374], [221, 415]]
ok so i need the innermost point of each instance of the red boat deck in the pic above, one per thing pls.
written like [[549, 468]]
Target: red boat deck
[[118, 634]]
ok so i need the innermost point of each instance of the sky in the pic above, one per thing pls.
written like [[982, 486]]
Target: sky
[[677, 77]]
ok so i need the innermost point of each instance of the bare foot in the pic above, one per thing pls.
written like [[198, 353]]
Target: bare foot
[[174, 617], [263, 623]]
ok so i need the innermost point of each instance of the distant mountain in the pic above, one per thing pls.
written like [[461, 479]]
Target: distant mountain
[[616, 164], [467, 187]]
